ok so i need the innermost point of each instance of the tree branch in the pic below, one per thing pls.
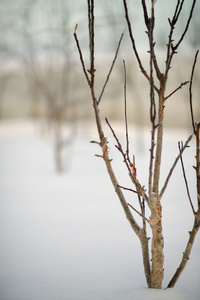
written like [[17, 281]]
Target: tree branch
[[125, 113], [198, 163], [152, 101], [127, 189], [174, 165], [133, 43], [111, 68], [81, 56], [186, 253], [187, 25], [170, 49], [132, 174], [138, 213], [184, 175], [190, 91], [178, 88]]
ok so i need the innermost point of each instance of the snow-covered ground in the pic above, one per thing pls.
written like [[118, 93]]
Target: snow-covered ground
[[64, 236]]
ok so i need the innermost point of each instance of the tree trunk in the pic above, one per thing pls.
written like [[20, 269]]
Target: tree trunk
[[145, 255], [155, 205], [157, 244]]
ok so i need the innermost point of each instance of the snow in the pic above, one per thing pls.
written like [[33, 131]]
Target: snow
[[64, 236]]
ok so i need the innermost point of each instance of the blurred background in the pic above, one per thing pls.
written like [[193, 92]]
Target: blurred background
[[41, 75]]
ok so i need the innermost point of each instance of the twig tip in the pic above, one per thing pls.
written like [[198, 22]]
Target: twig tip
[[75, 28]]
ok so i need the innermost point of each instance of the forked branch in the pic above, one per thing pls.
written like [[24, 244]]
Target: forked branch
[[133, 42], [171, 49], [139, 187], [174, 165], [186, 27]]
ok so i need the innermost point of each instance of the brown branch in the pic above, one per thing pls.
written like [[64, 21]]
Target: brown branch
[[184, 175], [178, 88], [111, 68], [186, 27], [150, 27], [133, 40], [91, 38], [151, 158], [170, 50], [178, 9], [146, 18], [133, 44], [125, 113], [127, 189], [138, 213], [152, 96], [173, 166], [190, 91], [152, 102], [198, 163], [139, 187], [81, 56]]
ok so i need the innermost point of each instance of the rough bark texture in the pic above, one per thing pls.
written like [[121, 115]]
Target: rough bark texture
[[157, 243], [159, 143], [155, 206], [145, 255]]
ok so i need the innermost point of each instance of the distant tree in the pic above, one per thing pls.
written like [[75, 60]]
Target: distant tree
[[152, 195], [47, 60]]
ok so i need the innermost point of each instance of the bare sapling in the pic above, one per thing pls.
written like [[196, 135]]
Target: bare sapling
[[153, 261]]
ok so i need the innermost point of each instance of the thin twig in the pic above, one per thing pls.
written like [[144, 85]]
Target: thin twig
[[125, 112], [152, 101], [170, 50], [127, 189], [179, 8], [133, 44], [152, 96], [178, 88], [198, 164], [190, 91], [174, 165], [111, 68], [146, 17], [138, 213], [186, 27], [139, 187], [91, 37], [81, 56], [184, 175], [150, 22]]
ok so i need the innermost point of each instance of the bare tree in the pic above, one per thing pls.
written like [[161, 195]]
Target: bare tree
[[49, 79], [157, 81]]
